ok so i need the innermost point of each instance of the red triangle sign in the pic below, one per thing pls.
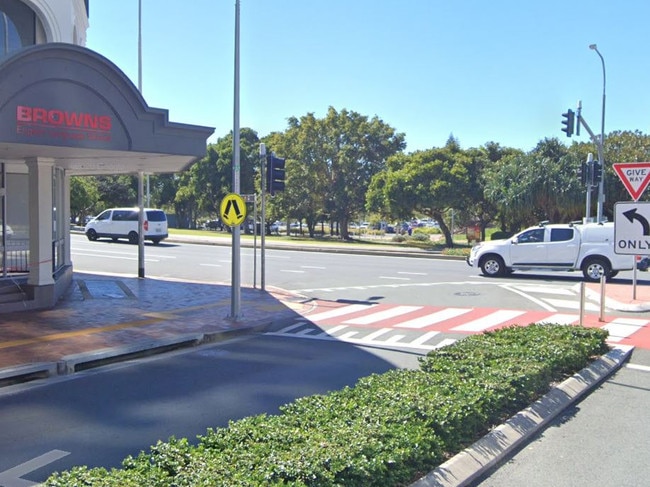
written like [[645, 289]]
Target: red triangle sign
[[635, 176]]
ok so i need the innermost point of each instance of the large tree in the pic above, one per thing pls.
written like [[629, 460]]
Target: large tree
[[429, 182], [346, 150]]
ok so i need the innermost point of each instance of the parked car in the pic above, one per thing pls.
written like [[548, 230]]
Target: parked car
[[116, 223], [213, 225], [561, 247]]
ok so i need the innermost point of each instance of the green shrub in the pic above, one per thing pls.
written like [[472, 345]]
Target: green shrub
[[385, 431]]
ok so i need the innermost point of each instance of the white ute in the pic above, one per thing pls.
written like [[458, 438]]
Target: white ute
[[587, 247]]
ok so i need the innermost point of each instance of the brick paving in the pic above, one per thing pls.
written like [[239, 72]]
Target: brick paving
[[100, 312]]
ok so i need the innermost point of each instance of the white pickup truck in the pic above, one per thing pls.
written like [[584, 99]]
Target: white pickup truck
[[559, 247]]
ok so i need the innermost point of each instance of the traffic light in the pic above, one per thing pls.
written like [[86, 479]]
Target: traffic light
[[583, 172], [597, 173], [569, 122], [274, 173]]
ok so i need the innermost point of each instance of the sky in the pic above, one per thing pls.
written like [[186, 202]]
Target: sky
[[481, 71]]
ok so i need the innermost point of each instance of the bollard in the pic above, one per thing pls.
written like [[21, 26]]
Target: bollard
[[582, 302], [602, 298]]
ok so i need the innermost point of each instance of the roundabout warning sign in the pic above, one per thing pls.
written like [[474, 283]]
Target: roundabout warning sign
[[232, 210]]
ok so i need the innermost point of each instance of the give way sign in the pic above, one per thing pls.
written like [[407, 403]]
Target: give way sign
[[635, 177]]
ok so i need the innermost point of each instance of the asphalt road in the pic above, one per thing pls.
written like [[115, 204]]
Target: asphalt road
[[98, 417]]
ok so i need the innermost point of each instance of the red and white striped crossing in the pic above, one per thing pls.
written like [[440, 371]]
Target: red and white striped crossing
[[420, 326]]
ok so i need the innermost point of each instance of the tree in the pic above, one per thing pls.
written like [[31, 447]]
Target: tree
[[430, 182], [83, 197], [346, 150]]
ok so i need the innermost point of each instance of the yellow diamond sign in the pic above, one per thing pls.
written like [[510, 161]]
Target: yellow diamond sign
[[233, 210]]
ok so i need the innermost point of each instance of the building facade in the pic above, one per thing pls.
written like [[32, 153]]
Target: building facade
[[65, 111]]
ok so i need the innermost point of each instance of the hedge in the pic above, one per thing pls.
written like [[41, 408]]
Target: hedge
[[387, 430]]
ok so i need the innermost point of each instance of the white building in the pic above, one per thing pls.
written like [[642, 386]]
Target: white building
[[64, 111]]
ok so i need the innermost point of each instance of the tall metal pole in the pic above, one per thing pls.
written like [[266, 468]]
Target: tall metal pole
[[235, 304], [148, 203], [141, 257], [601, 152], [263, 186]]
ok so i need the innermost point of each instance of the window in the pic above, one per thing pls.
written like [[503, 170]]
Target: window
[[561, 234], [532, 236], [156, 216], [17, 26]]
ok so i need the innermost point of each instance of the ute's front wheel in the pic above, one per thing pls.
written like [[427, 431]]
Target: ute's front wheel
[[493, 266]]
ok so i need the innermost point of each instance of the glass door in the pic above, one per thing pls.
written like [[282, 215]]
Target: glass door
[[3, 229]]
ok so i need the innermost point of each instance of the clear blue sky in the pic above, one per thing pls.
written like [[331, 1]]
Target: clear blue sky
[[500, 70]]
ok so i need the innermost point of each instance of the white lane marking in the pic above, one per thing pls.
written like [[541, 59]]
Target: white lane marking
[[395, 278], [11, 477], [622, 328], [490, 320], [211, 265], [312, 267], [560, 319], [334, 313], [642, 368], [377, 334], [124, 257], [539, 302], [433, 318], [412, 273], [545, 290], [292, 271], [569, 304], [425, 337], [382, 315]]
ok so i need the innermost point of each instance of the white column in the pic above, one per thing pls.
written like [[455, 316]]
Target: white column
[[40, 221]]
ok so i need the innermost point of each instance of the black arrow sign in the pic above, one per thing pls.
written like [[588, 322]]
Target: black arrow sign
[[632, 215]]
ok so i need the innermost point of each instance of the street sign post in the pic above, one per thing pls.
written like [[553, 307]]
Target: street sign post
[[635, 177]]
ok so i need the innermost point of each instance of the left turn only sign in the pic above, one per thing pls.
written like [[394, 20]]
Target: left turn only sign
[[233, 210]]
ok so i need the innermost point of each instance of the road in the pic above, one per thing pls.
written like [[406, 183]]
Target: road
[[337, 276], [100, 416]]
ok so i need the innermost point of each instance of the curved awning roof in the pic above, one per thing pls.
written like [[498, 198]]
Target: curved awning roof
[[73, 105]]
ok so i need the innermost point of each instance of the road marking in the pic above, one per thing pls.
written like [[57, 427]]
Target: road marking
[[433, 318], [334, 313], [560, 319], [382, 315], [622, 328], [395, 278], [12, 477], [493, 319], [643, 368]]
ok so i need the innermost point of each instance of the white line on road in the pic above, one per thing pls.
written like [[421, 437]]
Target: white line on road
[[643, 368], [344, 310], [382, 315], [493, 319], [11, 477]]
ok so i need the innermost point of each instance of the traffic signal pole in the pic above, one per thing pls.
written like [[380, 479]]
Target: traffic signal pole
[[263, 217], [601, 162]]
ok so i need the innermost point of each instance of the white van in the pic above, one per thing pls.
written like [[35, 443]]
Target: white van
[[118, 223]]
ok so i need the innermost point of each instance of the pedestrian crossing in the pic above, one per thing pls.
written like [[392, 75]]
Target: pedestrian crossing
[[431, 327]]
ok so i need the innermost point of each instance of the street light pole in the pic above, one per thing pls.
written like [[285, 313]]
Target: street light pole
[[601, 155]]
